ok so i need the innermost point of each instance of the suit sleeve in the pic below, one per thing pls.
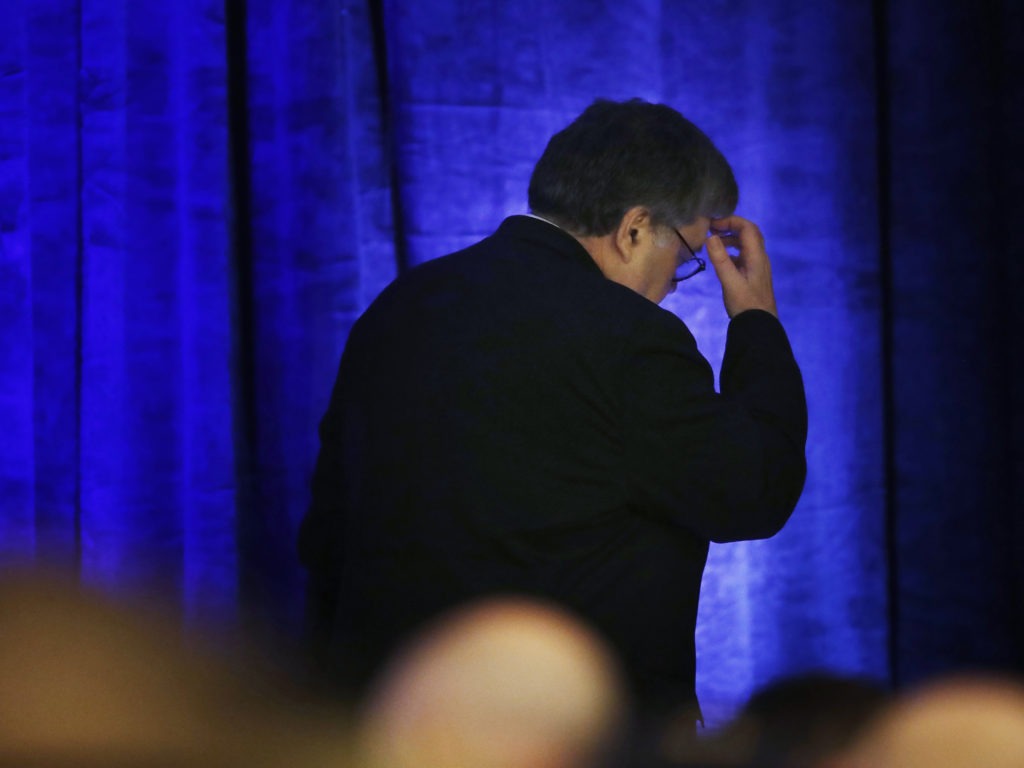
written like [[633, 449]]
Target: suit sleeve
[[727, 466], [320, 537], [322, 531]]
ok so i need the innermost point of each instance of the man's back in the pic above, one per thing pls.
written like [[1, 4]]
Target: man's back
[[506, 419]]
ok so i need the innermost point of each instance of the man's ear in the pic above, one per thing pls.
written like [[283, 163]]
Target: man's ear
[[633, 231]]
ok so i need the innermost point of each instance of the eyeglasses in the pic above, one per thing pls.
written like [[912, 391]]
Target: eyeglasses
[[692, 266]]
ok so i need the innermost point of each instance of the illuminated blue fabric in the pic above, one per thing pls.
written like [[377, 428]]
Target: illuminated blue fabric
[[174, 293]]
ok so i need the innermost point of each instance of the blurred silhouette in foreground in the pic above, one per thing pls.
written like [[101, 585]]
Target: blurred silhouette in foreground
[[501, 683], [85, 681], [797, 722], [505, 682], [963, 722]]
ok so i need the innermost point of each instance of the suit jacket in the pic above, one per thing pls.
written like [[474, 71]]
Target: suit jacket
[[506, 419]]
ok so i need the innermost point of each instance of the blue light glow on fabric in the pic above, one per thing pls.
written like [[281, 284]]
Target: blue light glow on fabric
[[121, 245], [136, 449]]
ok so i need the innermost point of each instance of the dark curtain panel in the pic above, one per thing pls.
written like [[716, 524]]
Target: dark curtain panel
[[198, 199], [955, 133]]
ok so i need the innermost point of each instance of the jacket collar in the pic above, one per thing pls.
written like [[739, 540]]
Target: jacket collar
[[543, 234]]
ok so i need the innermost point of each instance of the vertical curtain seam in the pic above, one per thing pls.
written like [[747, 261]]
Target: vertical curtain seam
[[389, 130], [242, 364], [884, 160]]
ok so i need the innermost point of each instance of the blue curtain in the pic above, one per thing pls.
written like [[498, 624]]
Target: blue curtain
[[117, 333], [316, 246], [197, 199]]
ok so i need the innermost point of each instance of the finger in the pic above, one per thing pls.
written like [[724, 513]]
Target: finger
[[725, 270], [729, 241], [752, 257], [720, 259], [748, 232], [732, 223]]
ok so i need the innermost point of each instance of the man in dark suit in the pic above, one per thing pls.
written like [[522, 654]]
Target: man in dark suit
[[522, 417]]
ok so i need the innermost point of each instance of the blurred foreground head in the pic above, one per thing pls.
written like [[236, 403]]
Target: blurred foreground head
[[799, 721], [85, 681], [505, 682], [954, 723]]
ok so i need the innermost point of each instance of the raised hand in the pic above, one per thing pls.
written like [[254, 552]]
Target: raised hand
[[747, 278]]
